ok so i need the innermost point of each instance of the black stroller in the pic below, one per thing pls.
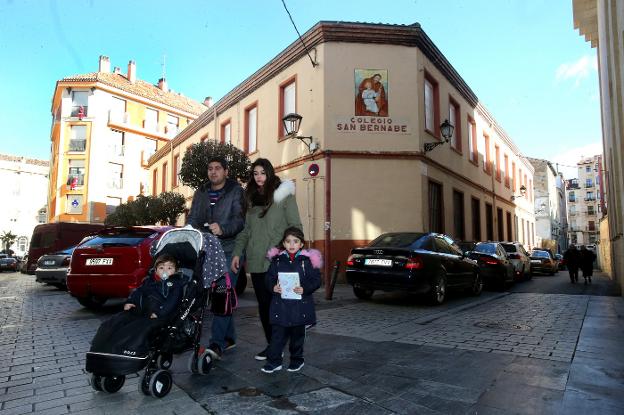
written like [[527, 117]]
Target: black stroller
[[181, 333]]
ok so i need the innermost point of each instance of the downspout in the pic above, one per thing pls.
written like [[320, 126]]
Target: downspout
[[327, 226]]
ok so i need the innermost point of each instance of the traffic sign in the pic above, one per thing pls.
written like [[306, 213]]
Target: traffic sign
[[313, 170]]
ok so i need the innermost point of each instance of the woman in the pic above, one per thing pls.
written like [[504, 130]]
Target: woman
[[271, 208]]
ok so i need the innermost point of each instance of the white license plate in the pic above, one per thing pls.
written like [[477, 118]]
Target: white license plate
[[378, 262], [536, 261], [48, 262], [99, 261]]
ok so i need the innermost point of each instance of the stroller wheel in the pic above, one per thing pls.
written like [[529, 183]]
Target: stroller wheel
[[204, 363], [160, 383], [96, 382], [144, 384], [164, 360], [192, 363], [112, 384]]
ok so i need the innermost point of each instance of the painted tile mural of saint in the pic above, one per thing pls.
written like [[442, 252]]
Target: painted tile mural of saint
[[371, 92]]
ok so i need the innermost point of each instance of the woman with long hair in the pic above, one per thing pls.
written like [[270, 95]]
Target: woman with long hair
[[271, 208]]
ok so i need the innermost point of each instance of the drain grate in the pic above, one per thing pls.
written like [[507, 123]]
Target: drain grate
[[501, 325]]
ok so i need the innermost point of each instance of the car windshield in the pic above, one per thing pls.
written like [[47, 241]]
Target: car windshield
[[485, 248], [400, 240], [509, 247], [119, 238], [540, 254]]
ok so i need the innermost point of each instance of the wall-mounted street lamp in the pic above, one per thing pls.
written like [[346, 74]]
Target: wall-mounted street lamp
[[446, 129], [292, 122], [522, 193]]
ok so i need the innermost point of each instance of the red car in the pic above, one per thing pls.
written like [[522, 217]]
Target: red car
[[111, 263]]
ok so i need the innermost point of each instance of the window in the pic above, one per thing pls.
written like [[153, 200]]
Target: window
[[588, 183], [78, 138], [476, 219], [175, 172], [151, 119], [75, 176], [587, 169], [458, 215], [118, 110], [454, 119], [489, 222], [472, 141], [115, 176], [226, 132], [509, 232], [251, 129], [432, 99], [522, 233], [288, 102], [487, 158], [530, 190], [173, 123], [149, 148], [163, 184], [436, 212], [532, 234], [74, 204], [590, 210], [571, 196], [116, 145], [590, 196], [500, 225], [154, 181], [506, 171], [22, 244], [80, 103], [513, 176], [497, 161]]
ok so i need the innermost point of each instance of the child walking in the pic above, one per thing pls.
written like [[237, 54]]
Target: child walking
[[292, 277]]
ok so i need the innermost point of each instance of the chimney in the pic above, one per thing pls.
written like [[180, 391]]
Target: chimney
[[162, 84], [104, 64], [117, 70], [208, 102], [132, 71]]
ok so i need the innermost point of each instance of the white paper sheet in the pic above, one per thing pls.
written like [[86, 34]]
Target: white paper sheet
[[288, 281]]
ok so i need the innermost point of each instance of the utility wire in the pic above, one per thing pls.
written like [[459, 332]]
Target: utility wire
[[314, 64]]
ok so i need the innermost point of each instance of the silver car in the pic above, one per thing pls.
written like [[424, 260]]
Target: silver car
[[520, 259], [52, 268]]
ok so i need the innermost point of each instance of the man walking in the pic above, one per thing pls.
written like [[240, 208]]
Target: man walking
[[217, 209], [572, 260]]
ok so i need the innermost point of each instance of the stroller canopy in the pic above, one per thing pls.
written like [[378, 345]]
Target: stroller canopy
[[182, 243]]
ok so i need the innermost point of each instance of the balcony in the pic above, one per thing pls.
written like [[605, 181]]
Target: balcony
[[590, 199], [122, 122], [77, 145], [116, 183], [79, 111]]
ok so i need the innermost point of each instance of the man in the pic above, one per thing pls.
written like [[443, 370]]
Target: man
[[217, 209], [572, 260]]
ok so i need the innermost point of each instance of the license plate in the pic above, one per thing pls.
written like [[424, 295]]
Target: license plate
[[378, 262], [99, 261], [48, 262], [536, 261]]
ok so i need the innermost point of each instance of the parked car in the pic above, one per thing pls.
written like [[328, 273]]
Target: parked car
[[495, 267], [52, 268], [111, 263], [560, 262], [520, 259], [541, 261], [466, 246], [7, 263], [413, 262], [23, 265]]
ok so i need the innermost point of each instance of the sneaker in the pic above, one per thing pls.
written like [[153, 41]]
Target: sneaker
[[262, 355], [295, 366], [229, 344], [215, 351], [269, 368]]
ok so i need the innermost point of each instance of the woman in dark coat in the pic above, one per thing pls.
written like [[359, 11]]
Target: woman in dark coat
[[587, 263], [572, 259]]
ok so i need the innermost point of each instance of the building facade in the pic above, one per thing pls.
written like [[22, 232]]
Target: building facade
[[601, 22], [105, 127], [549, 223], [373, 97], [586, 206], [25, 182]]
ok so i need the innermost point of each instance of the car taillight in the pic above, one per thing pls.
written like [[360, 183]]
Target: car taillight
[[350, 261], [414, 263], [489, 260]]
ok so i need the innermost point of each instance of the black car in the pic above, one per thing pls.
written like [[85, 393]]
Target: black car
[[541, 261], [52, 268], [7, 263], [560, 262], [412, 262], [495, 267]]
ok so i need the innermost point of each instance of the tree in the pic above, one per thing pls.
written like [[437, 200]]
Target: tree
[[148, 210], [193, 171], [7, 239], [173, 204]]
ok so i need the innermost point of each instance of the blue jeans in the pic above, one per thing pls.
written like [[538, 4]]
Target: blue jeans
[[223, 326]]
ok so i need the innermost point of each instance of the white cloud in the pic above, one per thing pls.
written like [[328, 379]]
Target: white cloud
[[578, 70], [567, 160]]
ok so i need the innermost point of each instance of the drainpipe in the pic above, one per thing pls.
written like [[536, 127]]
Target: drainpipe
[[327, 226]]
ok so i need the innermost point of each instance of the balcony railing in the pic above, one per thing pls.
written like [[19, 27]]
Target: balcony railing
[[77, 145], [115, 183], [590, 199]]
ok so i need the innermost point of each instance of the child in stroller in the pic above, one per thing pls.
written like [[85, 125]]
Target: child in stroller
[[161, 318]]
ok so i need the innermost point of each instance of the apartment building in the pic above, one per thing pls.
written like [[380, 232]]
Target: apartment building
[[25, 183], [378, 170], [105, 127], [586, 201]]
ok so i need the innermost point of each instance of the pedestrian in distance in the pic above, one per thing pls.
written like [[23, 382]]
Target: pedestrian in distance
[[294, 274], [587, 263], [217, 209], [270, 207], [572, 259]]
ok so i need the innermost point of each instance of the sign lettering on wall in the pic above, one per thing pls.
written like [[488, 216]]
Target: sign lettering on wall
[[375, 125]]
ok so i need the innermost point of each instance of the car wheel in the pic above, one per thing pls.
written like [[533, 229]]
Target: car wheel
[[94, 303], [437, 294], [477, 285], [363, 294]]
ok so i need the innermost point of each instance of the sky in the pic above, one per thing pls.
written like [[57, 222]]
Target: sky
[[523, 58]]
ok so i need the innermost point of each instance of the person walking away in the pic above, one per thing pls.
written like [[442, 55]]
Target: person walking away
[[587, 263], [294, 274], [270, 207], [572, 260], [217, 209]]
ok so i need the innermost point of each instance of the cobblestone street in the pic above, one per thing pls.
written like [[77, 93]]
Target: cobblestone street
[[501, 353]]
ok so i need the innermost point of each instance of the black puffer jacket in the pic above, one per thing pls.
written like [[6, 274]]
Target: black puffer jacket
[[227, 212], [159, 297]]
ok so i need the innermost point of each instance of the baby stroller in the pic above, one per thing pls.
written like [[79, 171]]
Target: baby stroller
[[181, 333]]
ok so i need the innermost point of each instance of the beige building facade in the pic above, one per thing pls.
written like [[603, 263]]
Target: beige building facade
[[374, 96]]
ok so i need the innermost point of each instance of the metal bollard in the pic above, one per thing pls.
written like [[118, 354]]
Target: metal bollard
[[329, 291]]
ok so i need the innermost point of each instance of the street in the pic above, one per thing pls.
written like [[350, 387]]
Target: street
[[545, 346]]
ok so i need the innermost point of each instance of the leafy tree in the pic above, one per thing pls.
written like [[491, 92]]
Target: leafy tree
[[173, 204], [193, 171], [122, 216], [148, 210], [7, 239]]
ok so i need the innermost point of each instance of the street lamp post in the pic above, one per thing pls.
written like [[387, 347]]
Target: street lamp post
[[446, 129], [292, 122]]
